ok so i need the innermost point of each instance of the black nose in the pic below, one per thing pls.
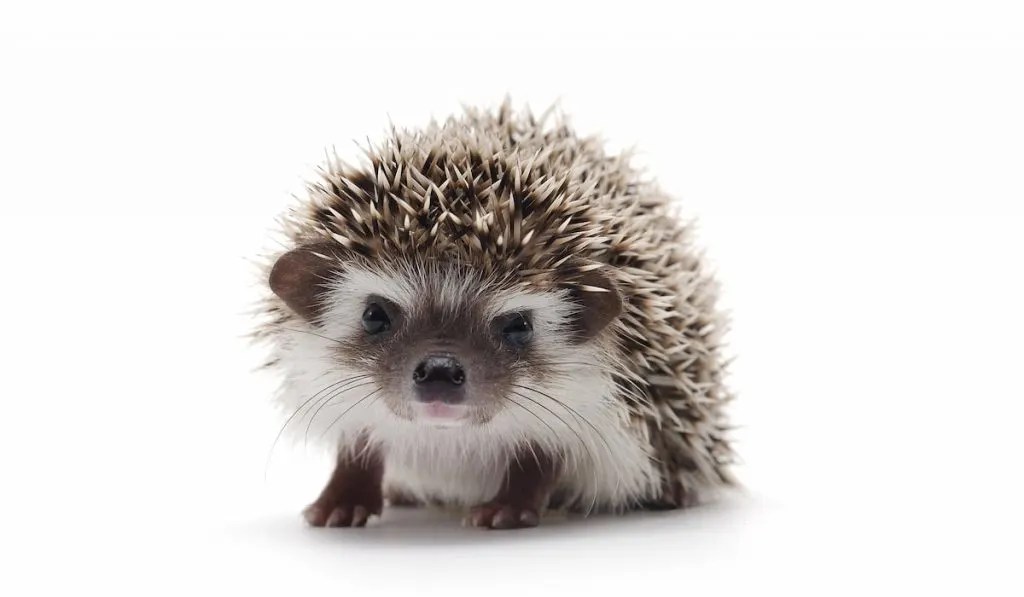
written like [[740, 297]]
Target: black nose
[[439, 369]]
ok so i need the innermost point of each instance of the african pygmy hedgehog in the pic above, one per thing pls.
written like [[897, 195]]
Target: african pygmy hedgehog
[[493, 314]]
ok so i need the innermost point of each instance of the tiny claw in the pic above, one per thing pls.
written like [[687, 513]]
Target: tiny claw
[[529, 518], [359, 516], [315, 516], [503, 517], [339, 517], [479, 518]]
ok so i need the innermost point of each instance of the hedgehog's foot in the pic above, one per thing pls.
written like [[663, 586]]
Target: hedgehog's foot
[[495, 515], [528, 484], [338, 515], [352, 495]]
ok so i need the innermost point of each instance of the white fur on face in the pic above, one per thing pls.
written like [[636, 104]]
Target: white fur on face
[[573, 412]]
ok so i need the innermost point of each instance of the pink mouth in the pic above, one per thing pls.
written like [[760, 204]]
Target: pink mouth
[[439, 412]]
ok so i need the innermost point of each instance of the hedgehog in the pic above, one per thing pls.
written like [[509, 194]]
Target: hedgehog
[[494, 314]]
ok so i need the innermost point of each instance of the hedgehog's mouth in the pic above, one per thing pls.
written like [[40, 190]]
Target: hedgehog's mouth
[[439, 414]]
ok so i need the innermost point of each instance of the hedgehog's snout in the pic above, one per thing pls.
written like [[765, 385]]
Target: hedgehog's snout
[[440, 378]]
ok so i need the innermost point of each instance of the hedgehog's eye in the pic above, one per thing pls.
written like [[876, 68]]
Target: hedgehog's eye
[[517, 330], [375, 319]]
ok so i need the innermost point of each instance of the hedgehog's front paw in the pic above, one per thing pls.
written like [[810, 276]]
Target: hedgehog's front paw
[[497, 515], [529, 481], [352, 495], [340, 514], [345, 506]]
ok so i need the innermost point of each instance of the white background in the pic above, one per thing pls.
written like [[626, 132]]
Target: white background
[[857, 168]]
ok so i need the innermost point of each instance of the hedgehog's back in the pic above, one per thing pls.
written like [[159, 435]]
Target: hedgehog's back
[[496, 189]]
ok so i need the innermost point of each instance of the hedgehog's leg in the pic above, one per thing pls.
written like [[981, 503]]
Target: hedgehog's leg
[[353, 493], [529, 481]]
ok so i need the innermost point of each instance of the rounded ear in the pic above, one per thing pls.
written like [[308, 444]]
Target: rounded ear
[[300, 278], [600, 303]]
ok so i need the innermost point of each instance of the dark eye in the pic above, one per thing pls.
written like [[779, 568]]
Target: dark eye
[[517, 330], [375, 319]]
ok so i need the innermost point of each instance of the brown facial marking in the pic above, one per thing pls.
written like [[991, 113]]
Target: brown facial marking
[[299, 278], [463, 333], [528, 484], [598, 308], [352, 494]]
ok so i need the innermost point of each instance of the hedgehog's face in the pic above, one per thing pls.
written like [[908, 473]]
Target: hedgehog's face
[[439, 345]]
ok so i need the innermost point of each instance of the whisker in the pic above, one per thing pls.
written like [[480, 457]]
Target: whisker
[[333, 392], [568, 408], [310, 333], [519, 425], [641, 392], [578, 415], [360, 401], [284, 426], [343, 383], [580, 363], [563, 421], [545, 423], [327, 402], [583, 444]]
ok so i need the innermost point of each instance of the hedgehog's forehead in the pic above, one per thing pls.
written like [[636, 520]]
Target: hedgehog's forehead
[[446, 286]]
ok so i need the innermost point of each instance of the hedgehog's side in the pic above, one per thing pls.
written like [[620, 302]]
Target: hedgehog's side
[[512, 195]]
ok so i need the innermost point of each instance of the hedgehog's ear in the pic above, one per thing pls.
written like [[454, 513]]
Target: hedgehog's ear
[[599, 301], [300, 278]]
